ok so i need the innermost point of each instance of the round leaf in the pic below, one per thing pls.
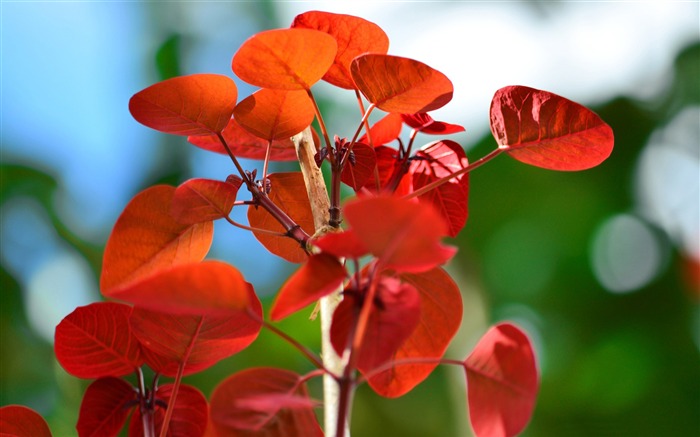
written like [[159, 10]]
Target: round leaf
[[202, 200], [275, 114], [20, 421], [104, 407]]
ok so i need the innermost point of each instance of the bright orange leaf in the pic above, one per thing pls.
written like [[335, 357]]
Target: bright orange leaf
[[202, 200], [146, 239], [199, 104], [285, 59], [402, 85], [354, 35], [546, 130], [386, 130], [275, 114]]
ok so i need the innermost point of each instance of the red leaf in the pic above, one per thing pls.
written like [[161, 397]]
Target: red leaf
[[146, 239], [243, 144], [20, 421], [285, 59], [167, 338], [354, 37], [438, 160], [202, 200], [357, 173], [427, 125], [440, 318], [383, 131], [502, 382], [289, 193], [106, 404], [547, 130], [95, 341], [319, 276], [404, 235], [394, 315], [275, 114], [190, 413], [247, 404], [342, 245], [204, 288], [200, 104], [402, 85]]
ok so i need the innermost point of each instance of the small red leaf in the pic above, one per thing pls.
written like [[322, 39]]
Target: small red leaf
[[440, 318], [354, 36], [207, 287], [275, 114], [502, 382], [427, 125], [106, 404], [402, 85], [289, 193], [20, 421], [243, 144], [190, 413], [546, 130], [146, 238], [95, 341], [404, 235], [201, 200], [319, 276], [342, 244], [285, 59], [384, 131], [247, 404], [357, 172], [200, 104]]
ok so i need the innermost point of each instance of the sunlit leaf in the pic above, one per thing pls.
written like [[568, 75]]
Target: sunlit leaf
[[204, 288], [289, 193], [546, 130], [502, 382], [354, 35], [95, 341], [285, 59], [275, 114], [20, 421], [190, 413], [402, 85], [201, 200], [440, 318], [427, 125], [319, 276], [384, 131], [199, 104], [404, 235], [360, 169], [248, 404], [146, 239], [106, 404]]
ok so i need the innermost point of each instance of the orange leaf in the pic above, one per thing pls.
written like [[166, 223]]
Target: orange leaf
[[402, 85], [289, 193], [146, 239], [354, 35], [201, 200], [275, 114], [285, 59], [199, 104], [546, 130], [204, 288], [386, 130]]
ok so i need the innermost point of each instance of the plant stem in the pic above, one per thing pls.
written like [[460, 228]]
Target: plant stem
[[146, 413]]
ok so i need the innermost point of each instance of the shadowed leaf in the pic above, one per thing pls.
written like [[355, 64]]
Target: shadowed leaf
[[106, 404], [356, 173], [190, 413], [20, 421]]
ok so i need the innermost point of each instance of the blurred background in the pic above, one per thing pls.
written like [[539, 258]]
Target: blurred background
[[600, 267]]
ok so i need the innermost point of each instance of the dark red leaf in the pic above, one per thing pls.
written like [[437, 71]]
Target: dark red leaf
[[427, 125], [275, 114], [404, 235], [201, 200], [402, 85], [146, 239], [285, 59], [319, 276], [190, 414], [356, 173], [243, 144], [95, 341], [248, 404], [383, 131], [289, 193], [106, 404], [502, 382], [440, 318], [546, 130], [354, 36], [199, 104], [20, 421]]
